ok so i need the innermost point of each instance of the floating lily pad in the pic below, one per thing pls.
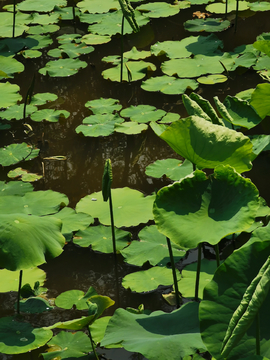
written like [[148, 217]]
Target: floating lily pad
[[63, 67], [14, 188], [99, 125], [134, 54], [43, 98], [208, 25], [40, 6], [158, 9], [219, 8], [94, 39], [95, 6], [6, 30], [259, 6], [137, 69], [66, 13], [130, 207], [9, 280], [9, 66], [169, 118], [24, 175], [104, 106], [50, 115], [9, 94], [67, 299], [14, 153], [73, 221], [169, 85], [44, 19], [43, 29], [20, 337], [260, 100], [212, 79], [16, 112], [149, 280], [130, 128], [100, 238], [72, 50], [172, 168], [42, 41], [152, 247], [31, 54], [35, 305], [143, 113], [67, 38]]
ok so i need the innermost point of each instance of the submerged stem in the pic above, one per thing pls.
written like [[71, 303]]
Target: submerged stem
[[92, 343], [122, 49], [19, 292], [174, 273], [198, 272]]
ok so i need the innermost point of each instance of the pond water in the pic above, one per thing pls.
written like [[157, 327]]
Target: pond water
[[81, 173]]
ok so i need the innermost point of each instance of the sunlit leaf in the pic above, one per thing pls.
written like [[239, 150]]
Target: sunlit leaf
[[14, 153], [16, 112], [260, 100], [104, 106], [63, 67], [172, 168], [212, 79], [41, 5], [43, 29], [138, 70], [208, 25], [9, 280], [9, 67], [130, 128], [169, 85], [9, 94], [95, 6], [51, 115], [143, 113], [94, 39], [43, 98], [219, 8], [67, 299], [72, 50], [158, 9], [24, 175], [14, 188]]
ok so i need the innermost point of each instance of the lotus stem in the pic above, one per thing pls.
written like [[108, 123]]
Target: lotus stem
[[226, 9], [198, 272], [19, 292], [217, 254], [14, 16], [236, 16], [174, 273], [74, 16], [92, 343], [112, 222], [122, 49], [258, 346]]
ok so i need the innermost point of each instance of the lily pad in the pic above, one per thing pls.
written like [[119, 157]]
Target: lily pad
[[158, 9], [99, 125], [40, 6], [72, 50], [35, 305], [173, 168], [148, 280], [95, 6], [63, 67], [259, 6], [15, 153], [208, 25], [130, 128], [50, 115], [220, 8], [16, 112], [43, 29], [73, 221], [67, 299], [42, 41], [9, 66], [104, 106], [143, 113], [169, 118], [14, 188], [130, 207], [43, 98], [152, 247], [9, 94], [9, 280], [137, 69], [94, 39], [169, 85], [24, 175], [20, 337], [212, 79], [100, 238], [260, 100], [31, 54], [68, 38]]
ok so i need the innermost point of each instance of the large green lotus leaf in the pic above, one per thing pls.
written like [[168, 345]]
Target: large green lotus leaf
[[152, 247], [43, 29], [72, 221], [94, 39], [220, 205], [259, 6], [100, 238], [9, 94], [68, 345], [16, 112], [67, 299], [14, 188], [63, 67], [157, 336], [9, 280], [143, 113], [130, 128], [193, 67], [260, 143], [219, 8], [263, 46], [187, 282], [172, 168], [260, 100], [72, 50], [14, 153], [35, 305], [138, 70], [34, 203], [247, 60], [204, 45], [148, 280], [28, 241], [159, 9], [40, 5], [103, 129], [9, 66], [98, 329], [130, 207], [42, 41], [169, 85], [104, 106], [20, 337], [51, 115], [223, 295], [208, 145], [110, 23], [43, 98], [208, 25], [95, 6]]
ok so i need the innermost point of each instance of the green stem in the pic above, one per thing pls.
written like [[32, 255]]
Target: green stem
[[258, 347], [174, 273], [19, 292], [74, 17], [198, 272], [236, 16], [122, 49], [92, 343], [14, 16], [226, 9], [217, 254], [112, 222]]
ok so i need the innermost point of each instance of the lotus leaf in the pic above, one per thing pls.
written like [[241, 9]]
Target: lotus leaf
[[9, 67], [219, 8], [223, 295], [42, 41], [67, 299], [169, 85], [143, 113], [263, 63], [63, 67], [100, 238], [9, 47], [98, 329], [138, 70], [67, 38], [158, 128], [24, 175], [130, 128], [220, 205], [15, 153], [152, 247], [110, 23], [148, 280], [134, 54], [207, 109], [43, 98], [104, 106], [212, 79], [260, 100], [35, 305], [159, 9], [27, 241], [16, 112], [247, 60], [169, 118], [259, 6], [95, 130], [91, 18], [94, 39], [190, 68], [72, 50], [72, 221], [157, 336], [9, 280], [20, 337], [198, 141], [6, 30], [67, 345], [14, 188], [9, 94], [172, 168], [31, 54], [43, 29], [44, 19], [40, 6], [66, 13], [130, 207], [50, 115], [208, 25], [260, 143], [94, 6]]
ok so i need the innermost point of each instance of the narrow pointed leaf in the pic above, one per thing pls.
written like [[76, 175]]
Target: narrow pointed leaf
[[107, 180]]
